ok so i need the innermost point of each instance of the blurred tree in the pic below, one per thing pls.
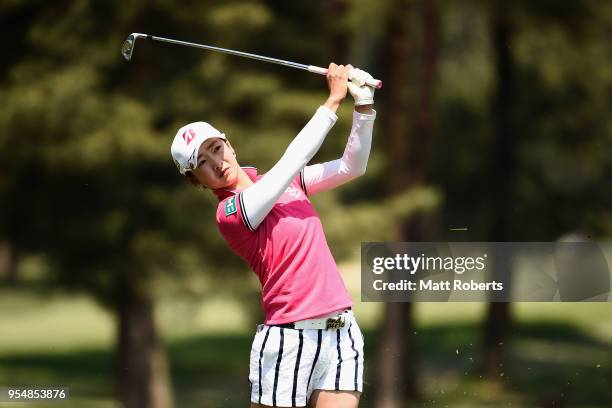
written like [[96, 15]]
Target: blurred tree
[[8, 268], [411, 42], [87, 180], [560, 124], [395, 380], [531, 119], [502, 164]]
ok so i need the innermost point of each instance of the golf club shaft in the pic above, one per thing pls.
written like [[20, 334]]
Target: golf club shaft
[[310, 68]]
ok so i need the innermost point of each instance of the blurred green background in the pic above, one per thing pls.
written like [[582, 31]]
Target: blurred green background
[[494, 119]]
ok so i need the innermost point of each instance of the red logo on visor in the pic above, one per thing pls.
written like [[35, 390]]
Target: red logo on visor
[[188, 136]]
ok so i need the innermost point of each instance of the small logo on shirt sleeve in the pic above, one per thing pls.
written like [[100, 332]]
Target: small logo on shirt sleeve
[[230, 206], [293, 191]]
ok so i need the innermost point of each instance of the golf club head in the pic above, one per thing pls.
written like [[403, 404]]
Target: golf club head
[[127, 49]]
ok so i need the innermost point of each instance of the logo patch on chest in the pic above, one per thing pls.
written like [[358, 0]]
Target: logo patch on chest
[[230, 206]]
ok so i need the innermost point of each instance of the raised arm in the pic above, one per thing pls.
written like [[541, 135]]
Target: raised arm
[[325, 176], [258, 199]]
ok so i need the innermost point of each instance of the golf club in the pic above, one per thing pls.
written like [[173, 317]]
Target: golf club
[[127, 49]]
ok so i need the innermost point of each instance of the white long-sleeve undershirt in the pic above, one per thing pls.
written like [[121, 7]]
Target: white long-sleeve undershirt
[[353, 163], [258, 199]]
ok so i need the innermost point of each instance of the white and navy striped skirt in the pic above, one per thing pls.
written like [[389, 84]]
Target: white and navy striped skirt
[[287, 364]]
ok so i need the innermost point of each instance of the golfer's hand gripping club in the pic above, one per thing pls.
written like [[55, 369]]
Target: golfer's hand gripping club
[[362, 93], [374, 83]]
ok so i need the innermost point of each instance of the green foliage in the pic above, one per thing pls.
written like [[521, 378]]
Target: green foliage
[[373, 221], [86, 177], [562, 124]]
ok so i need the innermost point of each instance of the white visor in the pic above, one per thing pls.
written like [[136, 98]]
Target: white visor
[[187, 143]]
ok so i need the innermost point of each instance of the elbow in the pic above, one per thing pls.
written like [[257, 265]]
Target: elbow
[[358, 171], [350, 172], [355, 173], [361, 171]]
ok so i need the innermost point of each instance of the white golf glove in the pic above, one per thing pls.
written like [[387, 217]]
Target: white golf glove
[[362, 94]]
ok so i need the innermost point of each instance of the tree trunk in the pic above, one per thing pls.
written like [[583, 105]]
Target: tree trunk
[[409, 82], [496, 333], [8, 263], [419, 154], [503, 166], [396, 368], [393, 383], [142, 365], [335, 10]]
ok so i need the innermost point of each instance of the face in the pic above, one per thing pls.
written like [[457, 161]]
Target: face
[[216, 165]]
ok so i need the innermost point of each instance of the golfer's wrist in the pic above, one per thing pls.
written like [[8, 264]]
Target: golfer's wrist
[[367, 109], [332, 103]]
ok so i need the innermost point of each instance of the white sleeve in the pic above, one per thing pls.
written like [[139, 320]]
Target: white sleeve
[[258, 199], [325, 176]]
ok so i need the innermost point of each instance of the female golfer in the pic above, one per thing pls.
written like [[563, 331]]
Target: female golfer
[[309, 351]]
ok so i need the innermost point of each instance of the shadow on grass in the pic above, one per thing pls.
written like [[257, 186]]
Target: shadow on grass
[[85, 372], [549, 364]]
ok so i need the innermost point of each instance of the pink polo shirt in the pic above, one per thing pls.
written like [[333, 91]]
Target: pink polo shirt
[[288, 252]]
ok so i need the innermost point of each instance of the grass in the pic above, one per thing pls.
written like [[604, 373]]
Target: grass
[[560, 354], [552, 362]]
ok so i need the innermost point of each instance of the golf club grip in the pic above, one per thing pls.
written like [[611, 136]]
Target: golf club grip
[[374, 83]]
